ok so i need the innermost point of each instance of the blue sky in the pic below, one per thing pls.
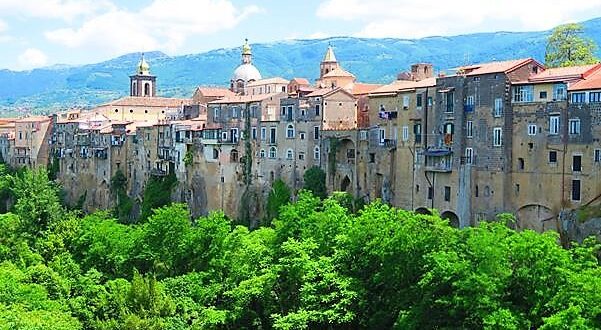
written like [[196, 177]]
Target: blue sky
[[36, 33]]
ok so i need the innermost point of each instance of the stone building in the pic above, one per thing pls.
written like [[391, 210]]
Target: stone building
[[553, 145], [32, 141]]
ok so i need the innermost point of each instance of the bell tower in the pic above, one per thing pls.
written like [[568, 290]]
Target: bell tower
[[142, 83], [328, 64]]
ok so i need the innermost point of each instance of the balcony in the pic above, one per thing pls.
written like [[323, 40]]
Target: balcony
[[158, 172], [388, 143], [388, 115], [438, 160]]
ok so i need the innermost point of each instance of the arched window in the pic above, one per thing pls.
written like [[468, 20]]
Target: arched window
[[147, 89], [234, 156], [262, 153], [316, 153], [134, 89], [289, 154], [273, 151], [290, 131]]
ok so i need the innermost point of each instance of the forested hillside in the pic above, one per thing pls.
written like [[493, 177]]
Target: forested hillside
[[370, 59], [320, 264]]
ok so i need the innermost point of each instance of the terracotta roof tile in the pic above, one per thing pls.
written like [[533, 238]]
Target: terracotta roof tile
[[362, 89], [150, 102], [215, 91], [246, 98], [338, 72], [492, 67], [566, 73], [400, 85], [591, 82], [301, 81], [267, 81]]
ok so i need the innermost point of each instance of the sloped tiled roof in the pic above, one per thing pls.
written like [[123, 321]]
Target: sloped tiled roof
[[400, 85], [565, 73], [338, 72], [300, 81], [593, 81], [267, 81], [320, 92], [149, 102], [215, 91], [492, 67], [246, 98], [362, 89]]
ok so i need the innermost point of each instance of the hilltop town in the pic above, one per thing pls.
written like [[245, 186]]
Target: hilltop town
[[509, 136]]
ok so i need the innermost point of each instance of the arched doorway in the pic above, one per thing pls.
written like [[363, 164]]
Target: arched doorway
[[423, 210], [452, 217], [345, 184], [536, 217]]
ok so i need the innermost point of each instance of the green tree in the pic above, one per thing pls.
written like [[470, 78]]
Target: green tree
[[315, 182], [279, 195], [124, 204], [157, 193], [566, 47]]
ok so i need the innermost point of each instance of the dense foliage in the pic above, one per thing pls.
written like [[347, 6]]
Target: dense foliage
[[567, 47], [318, 266]]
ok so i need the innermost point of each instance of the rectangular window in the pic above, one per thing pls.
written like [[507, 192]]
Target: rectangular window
[[574, 127], [450, 101], [405, 102], [469, 156], [316, 133], [417, 130], [419, 100], [430, 192], [522, 94], [497, 136], [498, 107], [430, 102], [542, 95], [382, 135], [578, 97], [317, 109], [575, 190], [577, 163], [594, 97], [470, 100], [405, 133], [363, 135], [553, 157], [554, 125], [272, 134], [597, 156], [469, 129], [254, 133], [447, 194], [216, 113], [263, 133], [301, 155], [532, 129], [234, 112], [559, 92]]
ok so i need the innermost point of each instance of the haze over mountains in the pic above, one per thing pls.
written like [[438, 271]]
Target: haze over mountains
[[371, 60]]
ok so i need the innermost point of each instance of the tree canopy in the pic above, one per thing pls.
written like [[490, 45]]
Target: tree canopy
[[566, 47], [318, 265]]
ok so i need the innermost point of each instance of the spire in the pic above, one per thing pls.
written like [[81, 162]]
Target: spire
[[330, 57], [143, 67]]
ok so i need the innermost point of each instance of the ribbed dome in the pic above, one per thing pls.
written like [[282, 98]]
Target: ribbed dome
[[246, 72]]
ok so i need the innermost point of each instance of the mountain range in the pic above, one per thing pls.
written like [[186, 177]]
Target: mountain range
[[372, 60]]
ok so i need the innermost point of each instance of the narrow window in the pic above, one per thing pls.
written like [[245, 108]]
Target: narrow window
[[576, 163], [575, 190]]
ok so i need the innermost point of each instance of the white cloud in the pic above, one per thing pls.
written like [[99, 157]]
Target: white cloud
[[32, 58], [58, 9], [164, 25], [412, 19]]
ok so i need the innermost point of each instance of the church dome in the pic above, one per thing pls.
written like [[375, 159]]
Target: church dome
[[246, 72]]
